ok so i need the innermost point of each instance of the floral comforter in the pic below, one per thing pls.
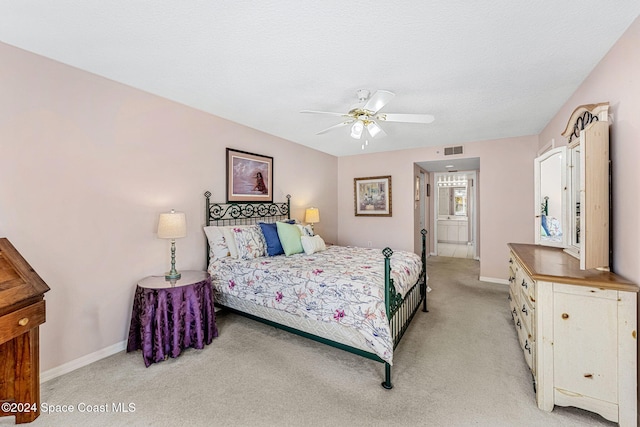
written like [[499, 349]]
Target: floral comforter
[[340, 284]]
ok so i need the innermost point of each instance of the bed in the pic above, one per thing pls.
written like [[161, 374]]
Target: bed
[[361, 300]]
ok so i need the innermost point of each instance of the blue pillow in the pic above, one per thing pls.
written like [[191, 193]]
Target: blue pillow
[[270, 232], [545, 227]]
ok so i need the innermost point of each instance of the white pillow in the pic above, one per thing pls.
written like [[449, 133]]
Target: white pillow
[[231, 241], [217, 244], [305, 230], [312, 244]]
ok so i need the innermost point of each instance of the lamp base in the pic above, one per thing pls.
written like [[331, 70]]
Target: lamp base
[[172, 275]]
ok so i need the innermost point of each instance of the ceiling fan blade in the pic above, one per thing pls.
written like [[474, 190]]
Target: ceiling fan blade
[[375, 130], [406, 118], [378, 100], [339, 125], [332, 113]]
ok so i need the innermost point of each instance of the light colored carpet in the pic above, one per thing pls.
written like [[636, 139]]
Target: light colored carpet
[[458, 365]]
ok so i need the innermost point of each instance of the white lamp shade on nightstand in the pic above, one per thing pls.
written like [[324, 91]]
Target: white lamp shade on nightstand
[[312, 215], [172, 225]]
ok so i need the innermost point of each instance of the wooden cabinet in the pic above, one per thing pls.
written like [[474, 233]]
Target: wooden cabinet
[[577, 330], [453, 230], [22, 310]]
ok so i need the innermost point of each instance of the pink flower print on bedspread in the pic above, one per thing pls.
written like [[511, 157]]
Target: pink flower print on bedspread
[[339, 315]]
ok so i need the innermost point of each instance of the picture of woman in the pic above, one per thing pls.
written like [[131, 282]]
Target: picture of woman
[[260, 184]]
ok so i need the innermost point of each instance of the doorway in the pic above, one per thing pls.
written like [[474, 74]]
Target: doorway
[[455, 214], [451, 213]]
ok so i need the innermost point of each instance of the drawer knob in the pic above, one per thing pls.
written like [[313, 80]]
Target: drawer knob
[[23, 321], [565, 316], [588, 375]]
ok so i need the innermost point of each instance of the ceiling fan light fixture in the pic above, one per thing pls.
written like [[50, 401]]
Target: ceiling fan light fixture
[[356, 129], [366, 113], [373, 129]]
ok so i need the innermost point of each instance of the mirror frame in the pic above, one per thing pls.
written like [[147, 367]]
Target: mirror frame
[[562, 151]]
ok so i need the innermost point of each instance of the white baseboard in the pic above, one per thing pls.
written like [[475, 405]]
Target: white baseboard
[[493, 280], [82, 361]]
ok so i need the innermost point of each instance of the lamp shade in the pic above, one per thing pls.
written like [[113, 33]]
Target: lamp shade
[[312, 215], [356, 129], [172, 225]]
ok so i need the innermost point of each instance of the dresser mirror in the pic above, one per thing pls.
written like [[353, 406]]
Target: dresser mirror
[[550, 171], [574, 199]]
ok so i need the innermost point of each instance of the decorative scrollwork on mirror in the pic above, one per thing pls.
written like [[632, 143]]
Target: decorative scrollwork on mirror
[[582, 117]]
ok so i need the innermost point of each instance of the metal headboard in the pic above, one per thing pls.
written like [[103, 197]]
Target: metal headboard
[[233, 213], [246, 213]]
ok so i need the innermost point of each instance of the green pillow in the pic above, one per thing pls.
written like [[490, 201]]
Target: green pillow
[[289, 235]]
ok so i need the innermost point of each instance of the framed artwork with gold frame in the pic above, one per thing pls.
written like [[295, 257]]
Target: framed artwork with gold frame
[[372, 196]]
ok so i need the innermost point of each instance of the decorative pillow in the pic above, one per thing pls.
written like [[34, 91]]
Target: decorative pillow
[[289, 235], [270, 233], [305, 230], [312, 244], [231, 240], [553, 226], [217, 244], [249, 242]]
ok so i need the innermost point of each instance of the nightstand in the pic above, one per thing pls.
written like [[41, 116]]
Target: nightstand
[[169, 316]]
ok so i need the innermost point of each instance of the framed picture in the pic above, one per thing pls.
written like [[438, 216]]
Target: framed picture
[[249, 177], [372, 196]]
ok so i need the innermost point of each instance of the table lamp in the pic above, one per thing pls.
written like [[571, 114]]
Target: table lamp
[[312, 216], [172, 225]]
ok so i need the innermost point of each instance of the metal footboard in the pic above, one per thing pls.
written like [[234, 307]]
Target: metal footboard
[[400, 311]]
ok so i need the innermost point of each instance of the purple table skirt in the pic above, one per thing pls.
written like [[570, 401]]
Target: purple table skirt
[[166, 321]]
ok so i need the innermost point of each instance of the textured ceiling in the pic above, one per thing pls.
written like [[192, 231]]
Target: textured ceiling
[[485, 69]]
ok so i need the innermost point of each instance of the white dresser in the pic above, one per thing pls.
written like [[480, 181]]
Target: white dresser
[[577, 330]]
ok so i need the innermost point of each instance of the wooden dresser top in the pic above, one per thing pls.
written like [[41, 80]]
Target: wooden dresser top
[[19, 283], [554, 265]]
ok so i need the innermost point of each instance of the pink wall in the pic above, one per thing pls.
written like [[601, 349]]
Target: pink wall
[[87, 165], [505, 191], [616, 80]]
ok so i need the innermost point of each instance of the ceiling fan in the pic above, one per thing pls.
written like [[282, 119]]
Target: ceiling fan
[[365, 115]]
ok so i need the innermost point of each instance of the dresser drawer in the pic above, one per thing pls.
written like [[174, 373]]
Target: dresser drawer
[[527, 314], [20, 321], [527, 286], [513, 306], [587, 291]]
